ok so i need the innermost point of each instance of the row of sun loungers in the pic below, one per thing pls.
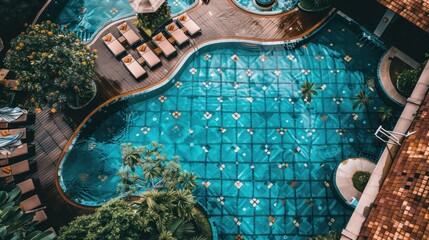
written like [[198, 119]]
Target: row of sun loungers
[[33, 204], [160, 41]]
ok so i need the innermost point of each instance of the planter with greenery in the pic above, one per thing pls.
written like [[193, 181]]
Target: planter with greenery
[[14, 223], [314, 5], [360, 179], [157, 202], [83, 98], [150, 22], [407, 80], [52, 64]]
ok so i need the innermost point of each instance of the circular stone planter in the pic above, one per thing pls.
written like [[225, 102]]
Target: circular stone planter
[[94, 93], [344, 174]]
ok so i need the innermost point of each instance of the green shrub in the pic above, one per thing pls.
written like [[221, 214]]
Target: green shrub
[[315, 4], [150, 22], [53, 66], [407, 80], [332, 235], [360, 179]]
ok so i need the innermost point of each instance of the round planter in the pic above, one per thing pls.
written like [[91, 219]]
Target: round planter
[[94, 93]]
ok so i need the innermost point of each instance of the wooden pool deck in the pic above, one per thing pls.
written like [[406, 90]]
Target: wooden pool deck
[[219, 19]]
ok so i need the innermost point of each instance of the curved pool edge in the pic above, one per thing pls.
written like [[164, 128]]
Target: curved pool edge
[[170, 76]]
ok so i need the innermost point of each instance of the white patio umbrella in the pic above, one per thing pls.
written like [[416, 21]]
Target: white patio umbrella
[[146, 6]]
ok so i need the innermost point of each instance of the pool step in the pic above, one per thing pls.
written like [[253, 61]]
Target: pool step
[[370, 41]]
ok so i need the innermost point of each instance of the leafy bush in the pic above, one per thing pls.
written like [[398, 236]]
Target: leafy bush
[[115, 220], [360, 179], [314, 5], [150, 22], [52, 65], [165, 210], [407, 80], [332, 235], [14, 223]]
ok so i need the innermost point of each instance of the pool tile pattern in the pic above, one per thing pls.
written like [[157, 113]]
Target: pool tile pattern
[[263, 156], [401, 209]]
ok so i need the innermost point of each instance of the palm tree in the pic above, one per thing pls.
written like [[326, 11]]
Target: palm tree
[[361, 99], [308, 90], [187, 181], [385, 114]]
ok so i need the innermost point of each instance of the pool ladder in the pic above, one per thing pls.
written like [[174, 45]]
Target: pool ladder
[[369, 41]]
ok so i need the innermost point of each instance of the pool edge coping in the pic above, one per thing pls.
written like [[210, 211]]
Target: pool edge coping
[[385, 162], [168, 78]]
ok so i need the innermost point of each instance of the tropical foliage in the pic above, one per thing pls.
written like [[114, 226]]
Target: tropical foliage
[[361, 100], [308, 90], [332, 235], [158, 172], [4, 94], [115, 220], [385, 114], [53, 66], [158, 202], [407, 80], [315, 5], [150, 22], [14, 223], [360, 179]]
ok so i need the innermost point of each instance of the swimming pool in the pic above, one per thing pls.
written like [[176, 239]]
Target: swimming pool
[[279, 7], [233, 114], [87, 17]]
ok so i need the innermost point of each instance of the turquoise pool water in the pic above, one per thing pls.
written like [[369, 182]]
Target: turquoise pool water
[[279, 7], [234, 115], [87, 17]]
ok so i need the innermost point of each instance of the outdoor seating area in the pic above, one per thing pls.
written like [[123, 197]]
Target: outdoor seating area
[[15, 144], [124, 45]]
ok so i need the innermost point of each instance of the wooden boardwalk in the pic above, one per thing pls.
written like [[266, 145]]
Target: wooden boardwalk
[[218, 19]]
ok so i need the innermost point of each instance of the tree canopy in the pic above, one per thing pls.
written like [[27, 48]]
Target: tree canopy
[[52, 65]]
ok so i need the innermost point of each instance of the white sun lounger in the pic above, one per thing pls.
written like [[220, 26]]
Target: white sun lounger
[[177, 33], [128, 33], [165, 46], [113, 44], [148, 55], [30, 203], [191, 27], [133, 66]]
